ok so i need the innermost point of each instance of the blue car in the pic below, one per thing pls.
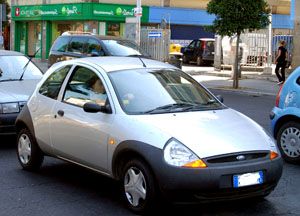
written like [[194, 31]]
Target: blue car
[[285, 118]]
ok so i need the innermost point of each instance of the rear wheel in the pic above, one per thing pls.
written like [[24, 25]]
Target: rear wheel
[[29, 154], [139, 189], [288, 141]]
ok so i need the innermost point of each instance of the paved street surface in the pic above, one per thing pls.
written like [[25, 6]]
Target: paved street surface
[[64, 189]]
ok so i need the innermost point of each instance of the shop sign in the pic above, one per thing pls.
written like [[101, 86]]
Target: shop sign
[[113, 10], [47, 11]]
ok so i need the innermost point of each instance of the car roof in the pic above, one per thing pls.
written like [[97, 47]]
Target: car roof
[[10, 53], [207, 39], [102, 37], [114, 63]]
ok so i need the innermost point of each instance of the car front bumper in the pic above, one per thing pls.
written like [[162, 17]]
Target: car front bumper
[[215, 183], [7, 124]]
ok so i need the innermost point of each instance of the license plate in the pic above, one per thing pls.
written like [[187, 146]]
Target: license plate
[[248, 179]]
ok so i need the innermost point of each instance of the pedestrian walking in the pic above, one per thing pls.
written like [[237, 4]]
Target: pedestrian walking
[[281, 61]]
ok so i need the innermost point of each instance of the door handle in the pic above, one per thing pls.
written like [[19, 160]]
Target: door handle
[[60, 113]]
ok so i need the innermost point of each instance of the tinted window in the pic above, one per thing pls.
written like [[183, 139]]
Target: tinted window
[[52, 85], [77, 44], [94, 48], [61, 44], [85, 86], [122, 48], [298, 81], [192, 44]]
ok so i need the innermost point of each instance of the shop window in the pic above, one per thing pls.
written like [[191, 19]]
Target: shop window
[[113, 29], [77, 45]]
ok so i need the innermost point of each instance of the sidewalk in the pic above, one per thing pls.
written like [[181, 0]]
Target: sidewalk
[[250, 83]]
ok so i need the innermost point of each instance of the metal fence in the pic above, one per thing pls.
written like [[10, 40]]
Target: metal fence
[[156, 43]]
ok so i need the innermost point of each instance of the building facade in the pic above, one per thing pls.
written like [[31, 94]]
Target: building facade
[[37, 23]]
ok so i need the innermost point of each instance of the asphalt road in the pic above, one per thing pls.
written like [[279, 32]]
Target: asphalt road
[[64, 189]]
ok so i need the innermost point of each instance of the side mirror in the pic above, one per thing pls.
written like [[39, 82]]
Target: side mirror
[[94, 108], [220, 98], [94, 54]]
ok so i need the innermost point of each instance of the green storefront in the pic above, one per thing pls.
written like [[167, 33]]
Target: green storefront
[[37, 26]]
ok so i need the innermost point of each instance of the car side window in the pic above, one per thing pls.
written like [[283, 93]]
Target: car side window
[[61, 44], [192, 45], [94, 48], [52, 85], [198, 44], [77, 45], [298, 80], [85, 86]]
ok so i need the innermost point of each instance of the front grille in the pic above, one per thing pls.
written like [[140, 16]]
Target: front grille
[[237, 157]]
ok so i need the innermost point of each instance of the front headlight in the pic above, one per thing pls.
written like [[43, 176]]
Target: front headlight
[[9, 108], [176, 154]]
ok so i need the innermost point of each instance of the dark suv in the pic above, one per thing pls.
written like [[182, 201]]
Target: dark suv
[[200, 51], [80, 45]]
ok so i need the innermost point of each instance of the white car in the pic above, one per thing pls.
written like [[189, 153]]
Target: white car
[[150, 126], [18, 78]]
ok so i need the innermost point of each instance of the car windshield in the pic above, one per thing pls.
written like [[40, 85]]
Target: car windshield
[[145, 91], [122, 48], [11, 68]]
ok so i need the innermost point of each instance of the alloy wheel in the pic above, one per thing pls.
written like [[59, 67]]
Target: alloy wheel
[[290, 142], [24, 148], [135, 186]]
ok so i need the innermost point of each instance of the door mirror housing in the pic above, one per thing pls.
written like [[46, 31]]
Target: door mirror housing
[[94, 108], [220, 98]]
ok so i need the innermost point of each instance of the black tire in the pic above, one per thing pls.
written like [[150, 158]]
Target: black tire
[[288, 141], [143, 205], [199, 61], [184, 60], [33, 159]]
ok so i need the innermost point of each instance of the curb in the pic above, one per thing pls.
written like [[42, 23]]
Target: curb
[[241, 91]]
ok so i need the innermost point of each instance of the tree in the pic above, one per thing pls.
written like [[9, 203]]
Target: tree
[[233, 17]]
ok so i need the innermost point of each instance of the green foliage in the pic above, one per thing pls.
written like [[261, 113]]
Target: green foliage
[[236, 16]]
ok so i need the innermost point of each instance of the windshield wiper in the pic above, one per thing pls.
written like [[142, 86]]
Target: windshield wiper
[[6, 80], [29, 60], [170, 107]]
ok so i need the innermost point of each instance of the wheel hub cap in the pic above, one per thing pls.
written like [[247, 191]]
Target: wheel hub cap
[[290, 142], [24, 148], [135, 186]]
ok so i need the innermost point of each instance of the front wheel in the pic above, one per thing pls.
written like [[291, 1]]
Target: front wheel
[[29, 154], [288, 141], [138, 186]]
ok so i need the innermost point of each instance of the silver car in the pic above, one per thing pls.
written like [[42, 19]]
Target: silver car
[[150, 126], [18, 78]]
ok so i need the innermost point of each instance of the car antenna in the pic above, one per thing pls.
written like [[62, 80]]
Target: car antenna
[[144, 65], [29, 60]]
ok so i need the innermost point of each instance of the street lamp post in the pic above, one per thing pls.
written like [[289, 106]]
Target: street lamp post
[[138, 15]]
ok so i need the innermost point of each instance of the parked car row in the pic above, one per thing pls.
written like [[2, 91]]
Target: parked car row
[[164, 138]]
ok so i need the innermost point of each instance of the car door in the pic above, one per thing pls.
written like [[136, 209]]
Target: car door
[[76, 135], [189, 51], [197, 50], [42, 104]]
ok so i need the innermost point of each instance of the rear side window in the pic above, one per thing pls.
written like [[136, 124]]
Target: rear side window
[[94, 48], [61, 44], [298, 81], [77, 45], [52, 85]]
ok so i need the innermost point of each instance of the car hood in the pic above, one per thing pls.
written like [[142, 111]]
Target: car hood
[[211, 133], [13, 91]]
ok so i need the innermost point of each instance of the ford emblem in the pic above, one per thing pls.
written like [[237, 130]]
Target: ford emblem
[[241, 157]]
